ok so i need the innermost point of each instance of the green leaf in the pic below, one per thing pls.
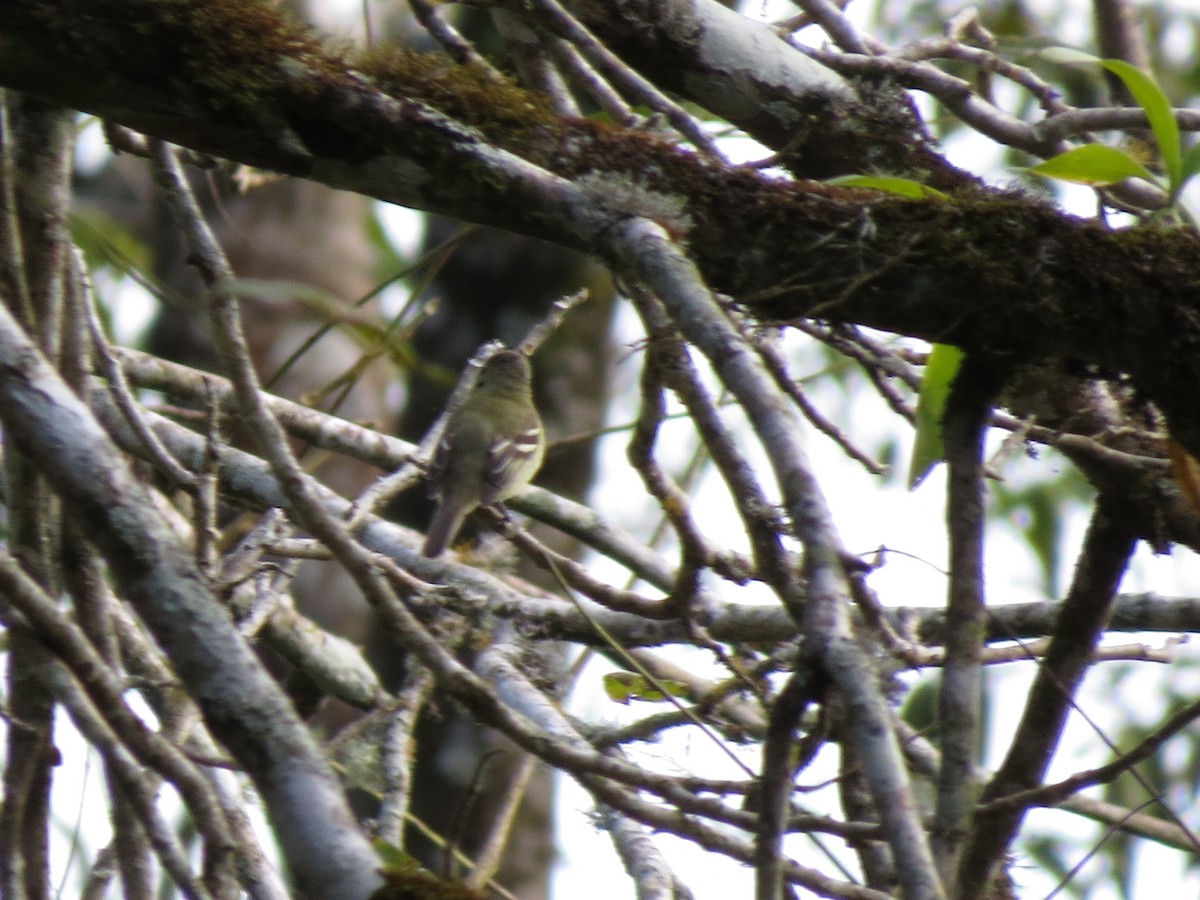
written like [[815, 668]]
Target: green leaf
[[901, 187], [928, 449], [625, 686], [1191, 163], [393, 858], [1150, 98], [1093, 164], [1068, 56], [106, 242]]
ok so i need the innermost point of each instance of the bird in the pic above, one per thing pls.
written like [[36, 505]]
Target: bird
[[491, 447]]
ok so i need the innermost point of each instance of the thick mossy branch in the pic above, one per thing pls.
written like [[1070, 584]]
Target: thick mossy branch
[[997, 273], [504, 111], [219, 55]]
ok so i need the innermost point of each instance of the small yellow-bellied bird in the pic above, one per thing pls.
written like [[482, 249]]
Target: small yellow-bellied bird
[[490, 449]]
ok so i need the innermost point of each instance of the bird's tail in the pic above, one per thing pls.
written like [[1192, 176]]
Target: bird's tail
[[442, 530]]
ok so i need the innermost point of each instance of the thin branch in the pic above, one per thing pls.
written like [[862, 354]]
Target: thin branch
[[986, 61], [529, 52], [1074, 122], [579, 577], [106, 692], [123, 397], [131, 776], [651, 874], [502, 823], [775, 782], [399, 755], [778, 366], [1054, 794], [594, 84], [839, 28], [645, 251], [1081, 622], [206, 495], [551, 321], [1134, 823], [961, 690], [329, 432], [434, 22], [760, 517], [695, 549], [557, 20]]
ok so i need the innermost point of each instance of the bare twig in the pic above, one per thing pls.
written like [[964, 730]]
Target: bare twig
[[581, 579], [839, 28], [449, 37], [778, 367], [985, 60], [1105, 555], [503, 820], [530, 53], [557, 20], [345, 856], [551, 321], [593, 83], [1054, 794], [668, 360], [960, 695], [128, 405], [399, 755], [645, 252]]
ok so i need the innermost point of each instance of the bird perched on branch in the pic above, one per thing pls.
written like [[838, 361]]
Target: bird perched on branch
[[491, 447]]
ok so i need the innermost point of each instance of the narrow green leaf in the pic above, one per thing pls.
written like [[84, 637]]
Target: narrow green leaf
[[928, 449], [1158, 110], [892, 184], [1191, 163], [1093, 164], [106, 242], [1149, 97], [1067, 56], [393, 858]]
